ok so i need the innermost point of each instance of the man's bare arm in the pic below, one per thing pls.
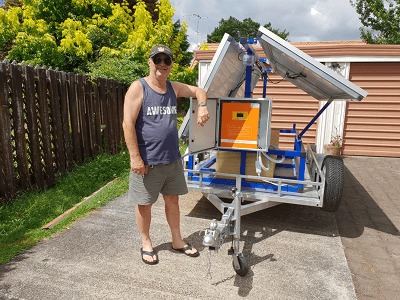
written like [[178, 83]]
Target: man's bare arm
[[132, 106], [185, 90]]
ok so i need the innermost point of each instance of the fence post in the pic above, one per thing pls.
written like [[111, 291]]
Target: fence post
[[56, 120], [110, 114], [83, 116], [6, 150], [104, 113], [90, 116], [115, 114], [73, 108], [120, 112], [45, 124], [32, 125], [97, 114], [19, 129], [64, 117]]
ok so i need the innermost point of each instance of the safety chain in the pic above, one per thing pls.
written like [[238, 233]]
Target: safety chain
[[208, 276]]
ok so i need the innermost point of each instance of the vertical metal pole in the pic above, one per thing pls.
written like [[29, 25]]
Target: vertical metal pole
[[249, 70], [237, 214], [302, 169], [190, 165], [265, 85], [243, 165]]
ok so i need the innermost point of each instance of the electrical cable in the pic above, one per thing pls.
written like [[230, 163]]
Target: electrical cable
[[269, 80], [261, 164], [268, 158], [274, 160], [238, 86]]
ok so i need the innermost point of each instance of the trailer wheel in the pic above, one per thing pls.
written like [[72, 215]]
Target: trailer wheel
[[333, 168], [244, 266]]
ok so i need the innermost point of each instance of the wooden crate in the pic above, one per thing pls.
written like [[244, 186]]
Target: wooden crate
[[229, 162]]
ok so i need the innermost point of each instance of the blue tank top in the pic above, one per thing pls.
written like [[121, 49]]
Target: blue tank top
[[156, 126]]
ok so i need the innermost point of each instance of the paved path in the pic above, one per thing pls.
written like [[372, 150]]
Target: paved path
[[369, 223], [295, 252]]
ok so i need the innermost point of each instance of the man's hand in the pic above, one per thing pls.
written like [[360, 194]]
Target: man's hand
[[186, 90], [138, 167], [202, 115]]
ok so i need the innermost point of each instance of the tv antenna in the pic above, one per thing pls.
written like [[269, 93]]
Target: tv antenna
[[196, 16]]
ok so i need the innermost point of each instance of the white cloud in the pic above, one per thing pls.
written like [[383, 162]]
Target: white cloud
[[314, 12], [305, 20], [193, 46], [305, 38]]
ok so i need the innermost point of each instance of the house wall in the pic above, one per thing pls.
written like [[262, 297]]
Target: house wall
[[370, 127]]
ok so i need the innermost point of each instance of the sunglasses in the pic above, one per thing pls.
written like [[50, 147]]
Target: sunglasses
[[158, 59]]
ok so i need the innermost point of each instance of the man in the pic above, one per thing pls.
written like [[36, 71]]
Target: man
[[151, 135]]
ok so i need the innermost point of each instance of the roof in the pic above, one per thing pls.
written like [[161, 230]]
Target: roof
[[321, 49]]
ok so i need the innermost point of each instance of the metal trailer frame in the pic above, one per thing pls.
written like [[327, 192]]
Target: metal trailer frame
[[301, 178]]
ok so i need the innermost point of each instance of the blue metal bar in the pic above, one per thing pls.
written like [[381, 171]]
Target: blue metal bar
[[302, 169], [315, 118], [247, 91], [284, 152], [243, 165], [289, 130], [297, 143], [249, 70], [211, 181], [209, 170], [265, 85], [208, 163], [251, 41], [287, 166], [190, 164]]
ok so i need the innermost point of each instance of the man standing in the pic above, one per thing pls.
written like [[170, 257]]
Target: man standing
[[151, 135]]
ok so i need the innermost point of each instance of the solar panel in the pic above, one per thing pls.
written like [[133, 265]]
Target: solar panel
[[226, 74], [305, 72]]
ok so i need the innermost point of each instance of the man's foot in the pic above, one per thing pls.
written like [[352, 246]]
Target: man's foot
[[149, 257], [188, 250]]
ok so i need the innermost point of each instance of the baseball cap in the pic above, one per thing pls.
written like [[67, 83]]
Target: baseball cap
[[161, 49]]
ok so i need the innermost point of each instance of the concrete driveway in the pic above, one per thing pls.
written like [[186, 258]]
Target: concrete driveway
[[294, 252]]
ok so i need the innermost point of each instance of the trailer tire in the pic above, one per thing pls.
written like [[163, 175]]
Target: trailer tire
[[333, 167], [244, 266]]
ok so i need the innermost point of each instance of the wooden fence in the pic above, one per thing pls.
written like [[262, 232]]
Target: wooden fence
[[50, 120]]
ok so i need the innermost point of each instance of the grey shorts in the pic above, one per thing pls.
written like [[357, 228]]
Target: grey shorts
[[167, 179]]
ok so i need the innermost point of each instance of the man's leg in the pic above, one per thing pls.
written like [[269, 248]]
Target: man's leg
[[143, 220], [173, 218]]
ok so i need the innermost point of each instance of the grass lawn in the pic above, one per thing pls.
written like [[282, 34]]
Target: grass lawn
[[21, 221]]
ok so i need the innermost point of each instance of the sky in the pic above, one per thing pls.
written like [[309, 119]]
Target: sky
[[305, 20]]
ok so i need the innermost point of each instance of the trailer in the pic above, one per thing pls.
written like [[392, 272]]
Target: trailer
[[236, 154]]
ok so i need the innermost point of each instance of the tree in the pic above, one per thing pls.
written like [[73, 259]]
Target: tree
[[237, 29], [95, 37], [10, 3], [380, 19], [186, 56], [151, 6], [61, 33], [141, 39]]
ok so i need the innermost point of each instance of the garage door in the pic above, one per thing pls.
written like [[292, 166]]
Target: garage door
[[372, 126]]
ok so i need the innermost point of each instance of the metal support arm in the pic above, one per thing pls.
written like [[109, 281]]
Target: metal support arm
[[315, 118]]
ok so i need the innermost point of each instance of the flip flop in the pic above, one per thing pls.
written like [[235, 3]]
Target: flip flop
[[149, 253], [184, 249]]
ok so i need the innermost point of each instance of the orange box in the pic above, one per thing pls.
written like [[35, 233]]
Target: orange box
[[239, 125]]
